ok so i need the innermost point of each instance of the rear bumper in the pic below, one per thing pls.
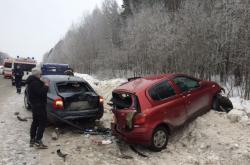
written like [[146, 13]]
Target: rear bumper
[[71, 115], [140, 136]]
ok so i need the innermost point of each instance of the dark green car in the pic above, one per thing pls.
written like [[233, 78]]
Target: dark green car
[[70, 98]]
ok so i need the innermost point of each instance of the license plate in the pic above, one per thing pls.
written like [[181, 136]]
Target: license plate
[[80, 105]]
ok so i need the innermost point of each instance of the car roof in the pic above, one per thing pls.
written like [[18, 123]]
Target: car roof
[[63, 78], [54, 64], [141, 84]]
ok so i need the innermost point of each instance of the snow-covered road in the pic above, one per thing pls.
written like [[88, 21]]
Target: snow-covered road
[[212, 139], [14, 135]]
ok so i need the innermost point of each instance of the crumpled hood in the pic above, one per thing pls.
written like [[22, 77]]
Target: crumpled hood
[[31, 79]]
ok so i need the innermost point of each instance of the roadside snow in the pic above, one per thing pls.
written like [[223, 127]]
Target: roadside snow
[[215, 138], [14, 135]]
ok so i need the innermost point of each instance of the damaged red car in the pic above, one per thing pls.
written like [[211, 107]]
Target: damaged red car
[[146, 110]]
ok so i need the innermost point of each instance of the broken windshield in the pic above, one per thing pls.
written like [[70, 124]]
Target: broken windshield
[[123, 100], [72, 87]]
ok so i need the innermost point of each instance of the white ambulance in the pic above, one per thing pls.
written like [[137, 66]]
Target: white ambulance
[[7, 68], [26, 65]]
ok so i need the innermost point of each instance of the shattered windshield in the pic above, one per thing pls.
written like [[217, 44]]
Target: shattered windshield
[[122, 100], [72, 87]]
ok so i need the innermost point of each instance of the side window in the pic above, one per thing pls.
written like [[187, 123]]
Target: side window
[[161, 91], [186, 84]]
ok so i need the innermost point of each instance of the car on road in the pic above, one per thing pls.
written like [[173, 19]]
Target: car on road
[[147, 110], [70, 98], [54, 68]]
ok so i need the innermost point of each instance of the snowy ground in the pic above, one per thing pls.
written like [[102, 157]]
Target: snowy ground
[[214, 138]]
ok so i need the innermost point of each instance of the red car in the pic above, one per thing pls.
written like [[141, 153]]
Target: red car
[[146, 110]]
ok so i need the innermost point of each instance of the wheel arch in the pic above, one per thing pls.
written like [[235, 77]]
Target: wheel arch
[[167, 126]]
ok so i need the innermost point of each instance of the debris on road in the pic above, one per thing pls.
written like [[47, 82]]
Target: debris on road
[[16, 113], [21, 119], [101, 142], [55, 134], [60, 154], [137, 152], [97, 131], [105, 142]]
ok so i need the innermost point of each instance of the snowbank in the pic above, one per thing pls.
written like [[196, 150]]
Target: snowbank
[[212, 139], [103, 87]]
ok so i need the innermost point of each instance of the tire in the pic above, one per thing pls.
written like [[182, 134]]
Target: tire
[[159, 139], [26, 104], [222, 103]]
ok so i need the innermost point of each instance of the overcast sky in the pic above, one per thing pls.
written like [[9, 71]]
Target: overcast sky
[[32, 27]]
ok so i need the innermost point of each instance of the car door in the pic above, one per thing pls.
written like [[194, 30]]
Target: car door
[[195, 97], [167, 105]]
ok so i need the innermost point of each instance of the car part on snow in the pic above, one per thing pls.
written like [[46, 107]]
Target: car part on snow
[[55, 134], [105, 142], [21, 119], [137, 152], [102, 142], [60, 154], [16, 113], [222, 104], [123, 156], [96, 131]]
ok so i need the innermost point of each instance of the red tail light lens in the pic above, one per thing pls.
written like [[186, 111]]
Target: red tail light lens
[[58, 104], [139, 119]]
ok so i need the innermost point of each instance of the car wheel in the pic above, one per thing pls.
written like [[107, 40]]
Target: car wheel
[[26, 104], [159, 139], [222, 103]]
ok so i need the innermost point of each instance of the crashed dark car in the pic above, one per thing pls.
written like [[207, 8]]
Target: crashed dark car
[[70, 98]]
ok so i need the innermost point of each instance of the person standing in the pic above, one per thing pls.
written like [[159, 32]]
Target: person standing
[[18, 74], [37, 95]]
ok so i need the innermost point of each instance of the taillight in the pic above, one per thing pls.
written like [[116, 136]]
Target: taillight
[[58, 104], [139, 119], [101, 100]]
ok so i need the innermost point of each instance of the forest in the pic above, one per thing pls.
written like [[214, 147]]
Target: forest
[[2, 57], [209, 39]]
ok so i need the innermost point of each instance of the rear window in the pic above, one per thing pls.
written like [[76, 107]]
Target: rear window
[[161, 91], [72, 87], [124, 100], [54, 70]]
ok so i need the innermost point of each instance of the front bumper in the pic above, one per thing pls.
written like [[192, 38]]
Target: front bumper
[[140, 136]]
